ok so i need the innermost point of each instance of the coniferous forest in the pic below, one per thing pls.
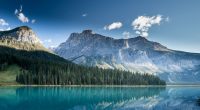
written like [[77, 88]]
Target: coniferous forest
[[44, 68]]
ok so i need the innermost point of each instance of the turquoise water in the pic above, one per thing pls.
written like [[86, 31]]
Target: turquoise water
[[99, 98]]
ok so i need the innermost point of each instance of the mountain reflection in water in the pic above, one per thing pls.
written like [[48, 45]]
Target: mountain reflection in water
[[91, 98]]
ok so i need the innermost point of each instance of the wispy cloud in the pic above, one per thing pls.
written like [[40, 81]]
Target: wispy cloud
[[33, 21], [20, 15], [3, 22], [114, 25], [4, 26], [84, 15], [142, 24]]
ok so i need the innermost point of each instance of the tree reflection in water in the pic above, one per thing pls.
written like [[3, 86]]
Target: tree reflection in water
[[99, 98]]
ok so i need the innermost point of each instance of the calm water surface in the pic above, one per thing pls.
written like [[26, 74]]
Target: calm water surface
[[99, 98]]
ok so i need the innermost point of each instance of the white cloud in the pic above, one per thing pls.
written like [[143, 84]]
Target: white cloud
[[4, 26], [145, 34], [126, 34], [138, 32], [22, 18], [84, 15], [3, 22], [20, 15], [142, 24], [115, 25]]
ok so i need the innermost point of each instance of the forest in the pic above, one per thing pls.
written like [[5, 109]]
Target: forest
[[44, 68]]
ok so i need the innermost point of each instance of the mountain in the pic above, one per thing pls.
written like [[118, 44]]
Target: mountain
[[21, 38], [24, 60], [133, 54]]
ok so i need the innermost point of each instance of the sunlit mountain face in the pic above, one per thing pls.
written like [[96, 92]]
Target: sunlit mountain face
[[23, 38]]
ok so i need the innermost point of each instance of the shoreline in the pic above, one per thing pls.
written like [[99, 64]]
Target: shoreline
[[19, 85], [85, 85]]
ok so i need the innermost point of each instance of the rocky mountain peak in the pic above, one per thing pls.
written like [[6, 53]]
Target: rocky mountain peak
[[87, 31], [22, 28], [87, 37], [23, 34], [21, 38], [84, 35], [134, 54], [140, 38]]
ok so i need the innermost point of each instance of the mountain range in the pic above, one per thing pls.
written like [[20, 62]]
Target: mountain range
[[24, 60], [134, 54]]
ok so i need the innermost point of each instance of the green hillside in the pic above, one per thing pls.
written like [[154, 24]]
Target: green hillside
[[8, 75]]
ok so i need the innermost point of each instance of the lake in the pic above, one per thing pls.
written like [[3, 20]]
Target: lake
[[99, 98]]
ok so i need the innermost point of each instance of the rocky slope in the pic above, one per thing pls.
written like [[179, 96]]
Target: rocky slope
[[134, 54], [21, 38]]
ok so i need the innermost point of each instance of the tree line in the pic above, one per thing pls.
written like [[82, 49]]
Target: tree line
[[43, 68]]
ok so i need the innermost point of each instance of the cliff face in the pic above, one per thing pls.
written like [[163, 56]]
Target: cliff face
[[21, 38], [134, 54]]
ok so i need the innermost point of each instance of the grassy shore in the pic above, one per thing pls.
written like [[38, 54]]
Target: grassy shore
[[8, 76]]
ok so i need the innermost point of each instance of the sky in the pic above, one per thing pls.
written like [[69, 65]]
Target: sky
[[173, 23]]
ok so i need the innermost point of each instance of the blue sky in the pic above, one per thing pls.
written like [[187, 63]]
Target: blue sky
[[179, 28]]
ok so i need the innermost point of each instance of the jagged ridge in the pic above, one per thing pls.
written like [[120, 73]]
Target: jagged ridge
[[134, 54]]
